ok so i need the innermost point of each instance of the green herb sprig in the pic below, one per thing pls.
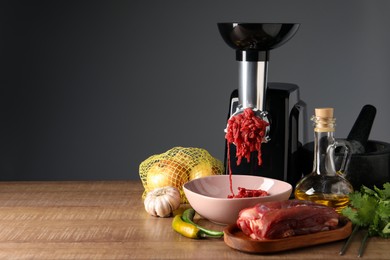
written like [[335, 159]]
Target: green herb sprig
[[370, 209]]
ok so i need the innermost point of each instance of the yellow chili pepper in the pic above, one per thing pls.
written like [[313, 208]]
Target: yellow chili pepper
[[184, 228]]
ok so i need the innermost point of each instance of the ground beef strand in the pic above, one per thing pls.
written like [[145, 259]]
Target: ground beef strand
[[246, 131]]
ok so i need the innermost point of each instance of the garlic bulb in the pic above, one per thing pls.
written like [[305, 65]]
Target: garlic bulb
[[163, 201]]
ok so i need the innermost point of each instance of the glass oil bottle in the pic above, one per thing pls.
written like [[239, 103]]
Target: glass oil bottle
[[325, 185]]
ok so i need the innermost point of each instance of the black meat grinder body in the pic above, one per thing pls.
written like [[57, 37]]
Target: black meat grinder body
[[278, 104]]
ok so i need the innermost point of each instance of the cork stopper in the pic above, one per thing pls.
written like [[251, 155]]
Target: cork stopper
[[324, 120], [324, 112]]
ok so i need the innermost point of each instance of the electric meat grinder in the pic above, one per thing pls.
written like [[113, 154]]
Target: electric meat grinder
[[278, 104]]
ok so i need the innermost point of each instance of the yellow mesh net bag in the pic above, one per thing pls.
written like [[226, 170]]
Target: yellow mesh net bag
[[177, 166]]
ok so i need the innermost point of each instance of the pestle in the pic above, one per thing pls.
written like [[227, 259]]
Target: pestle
[[361, 129]]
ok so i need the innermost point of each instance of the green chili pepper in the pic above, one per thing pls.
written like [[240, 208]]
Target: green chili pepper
[[188, 217]]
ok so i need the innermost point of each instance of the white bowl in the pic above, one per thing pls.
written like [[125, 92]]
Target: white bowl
[[208, 195]]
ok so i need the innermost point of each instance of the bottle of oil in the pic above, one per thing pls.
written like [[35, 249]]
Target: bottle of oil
[[326, 185]]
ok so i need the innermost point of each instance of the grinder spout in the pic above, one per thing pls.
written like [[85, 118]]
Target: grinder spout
[[252, 84]]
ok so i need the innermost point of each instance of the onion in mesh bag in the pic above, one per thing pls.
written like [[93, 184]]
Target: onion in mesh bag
[[166, 173], [177, 166]]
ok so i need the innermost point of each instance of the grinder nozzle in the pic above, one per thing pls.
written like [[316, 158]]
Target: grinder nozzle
[[263, 115]]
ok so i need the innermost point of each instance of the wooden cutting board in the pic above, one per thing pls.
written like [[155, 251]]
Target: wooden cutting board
[[236, 239]]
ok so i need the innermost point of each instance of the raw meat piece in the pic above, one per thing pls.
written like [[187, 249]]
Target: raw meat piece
[[281, 219]]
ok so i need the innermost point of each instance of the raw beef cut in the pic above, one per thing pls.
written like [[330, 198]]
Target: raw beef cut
[[273, 220]]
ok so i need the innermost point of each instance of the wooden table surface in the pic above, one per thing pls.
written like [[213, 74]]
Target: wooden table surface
[[107, 220]]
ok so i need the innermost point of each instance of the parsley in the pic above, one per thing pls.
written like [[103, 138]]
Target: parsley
[[370, 209]]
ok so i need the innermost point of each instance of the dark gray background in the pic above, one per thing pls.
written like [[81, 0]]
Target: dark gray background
[[89, 89]]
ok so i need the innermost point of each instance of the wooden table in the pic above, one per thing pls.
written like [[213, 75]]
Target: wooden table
[[106, 220]]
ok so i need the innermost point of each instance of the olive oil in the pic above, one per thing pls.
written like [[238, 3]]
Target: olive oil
[[338, 202], [324, 184]]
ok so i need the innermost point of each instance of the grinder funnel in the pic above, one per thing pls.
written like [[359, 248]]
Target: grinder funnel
[[252, 42]]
